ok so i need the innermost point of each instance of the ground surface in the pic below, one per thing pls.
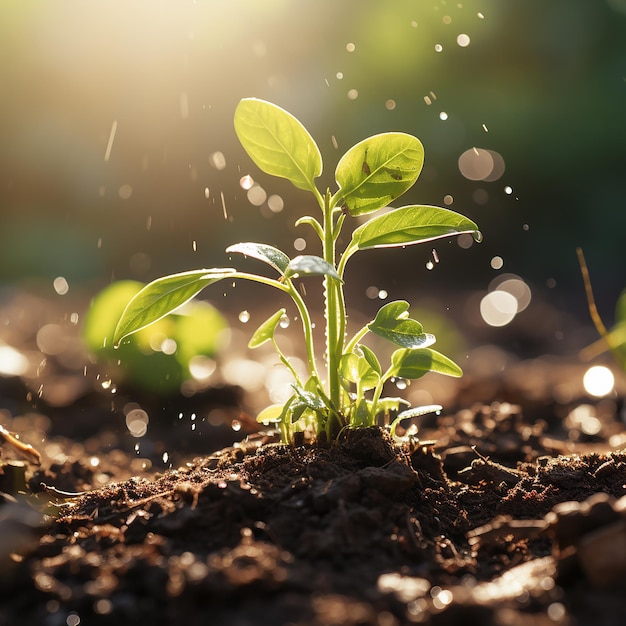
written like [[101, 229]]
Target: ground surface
[[509, 510]]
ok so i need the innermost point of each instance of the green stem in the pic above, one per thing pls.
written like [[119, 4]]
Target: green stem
[[332, 312]]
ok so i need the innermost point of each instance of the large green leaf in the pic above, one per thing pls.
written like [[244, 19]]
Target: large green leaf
[[310, 265], [277, 142], [266, 330], [392, 322], [263, 252], [377, 170], [412, 224], [414, 363], [162, 296]]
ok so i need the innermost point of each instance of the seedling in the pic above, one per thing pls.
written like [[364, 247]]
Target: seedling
[[369, 176]]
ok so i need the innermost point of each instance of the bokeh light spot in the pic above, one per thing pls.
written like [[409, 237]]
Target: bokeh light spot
[[599, 381], [498, 308]]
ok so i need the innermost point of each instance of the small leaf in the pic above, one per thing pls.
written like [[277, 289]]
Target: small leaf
[[386, 405], [414, 412], [162, 296], [309, 265], [263, 252], [414, 363], [272, 413], [371, 358], [309, 399], [266, 330], [410, 225], [355, 368], [377, 170], [392, 322], [362, 414], [277, 142]]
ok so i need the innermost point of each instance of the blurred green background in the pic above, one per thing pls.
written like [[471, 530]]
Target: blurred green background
[[118, 157]]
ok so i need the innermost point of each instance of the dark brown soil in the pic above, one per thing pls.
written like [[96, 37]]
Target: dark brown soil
[[506, 513]]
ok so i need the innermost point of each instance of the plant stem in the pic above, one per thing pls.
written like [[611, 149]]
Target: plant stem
[[334, 310]]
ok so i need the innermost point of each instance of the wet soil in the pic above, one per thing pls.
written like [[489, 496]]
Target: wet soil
[[510, 509]]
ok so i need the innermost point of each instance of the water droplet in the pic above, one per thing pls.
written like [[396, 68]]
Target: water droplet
[[526, 227], [382, 294], [443, 116], [402, 383], [299, 244], [438, 48], [165, 457], [350, 47], [236, 425], [390, 105], [463, 40], [508, 190], [429, 265], [244, 317], [106, 384], [339, 75], [353, 94], [284, 321], [448, 200], [207, 193]]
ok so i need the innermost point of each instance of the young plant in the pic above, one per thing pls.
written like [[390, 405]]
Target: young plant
[[369, 176]]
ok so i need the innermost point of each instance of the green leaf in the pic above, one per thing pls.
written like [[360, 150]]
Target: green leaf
[[414, 363], [162, 296], [377, 170], [392, 322], [410, 225], [414, 412], [266, 330], [386, 405], [309, 265], [362, 414], [277, 142], [262, 252], [371, 358], [309, 399], [355, 368], [272, 413]]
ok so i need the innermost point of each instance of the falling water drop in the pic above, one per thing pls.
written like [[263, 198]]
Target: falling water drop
[[236, 425], [244, 317], [284, 321]]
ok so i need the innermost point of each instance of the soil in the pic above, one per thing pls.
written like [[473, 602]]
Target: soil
[[509, 510]]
